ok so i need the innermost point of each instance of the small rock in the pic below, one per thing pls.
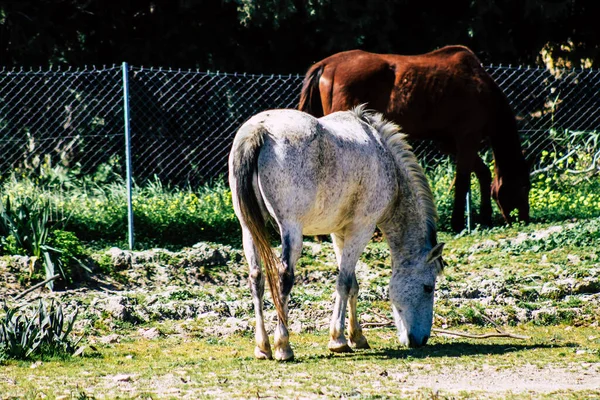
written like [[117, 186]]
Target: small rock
[[313, 248], [110, 339], [122, 378], [117, 307], [551, 292], [487, 244], [573, 259], [120, 259], [150, 334], [222, 308], [296, 326], [35, 365], [588, 285]]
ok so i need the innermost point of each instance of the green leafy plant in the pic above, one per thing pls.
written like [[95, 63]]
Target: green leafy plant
[[28, 230], [71, 255], [44, 332]]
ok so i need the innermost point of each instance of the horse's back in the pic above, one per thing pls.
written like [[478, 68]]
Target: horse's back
[[323, 172], [354, 66], [293, 124], [441, 93]]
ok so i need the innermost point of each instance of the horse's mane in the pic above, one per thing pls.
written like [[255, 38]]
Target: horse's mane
[[395, 141]]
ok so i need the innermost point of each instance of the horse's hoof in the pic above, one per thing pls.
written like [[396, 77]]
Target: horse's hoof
[[337, 347], [262, 355], [360, 343], [284, 354]]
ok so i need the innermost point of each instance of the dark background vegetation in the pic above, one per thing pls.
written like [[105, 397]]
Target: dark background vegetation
[[286, 36]]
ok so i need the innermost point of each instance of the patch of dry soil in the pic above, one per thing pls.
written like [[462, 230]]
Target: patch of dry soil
[[497, 380]]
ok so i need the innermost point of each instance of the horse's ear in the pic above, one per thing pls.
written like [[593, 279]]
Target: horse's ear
[[435, 253]]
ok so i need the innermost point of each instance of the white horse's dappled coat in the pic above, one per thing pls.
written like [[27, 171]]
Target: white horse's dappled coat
[[343, 174]]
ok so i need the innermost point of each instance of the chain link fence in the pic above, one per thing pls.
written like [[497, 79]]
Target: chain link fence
[[62, 117], [183, 122], [557, 113]]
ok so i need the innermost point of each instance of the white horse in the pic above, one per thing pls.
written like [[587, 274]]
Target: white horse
[[342, 174]]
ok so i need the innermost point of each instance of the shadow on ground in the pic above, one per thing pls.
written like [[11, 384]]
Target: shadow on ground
[[442, 350]]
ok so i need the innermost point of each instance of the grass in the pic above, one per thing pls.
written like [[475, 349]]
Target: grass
[[97, 211], [178, 367], [499, 272]]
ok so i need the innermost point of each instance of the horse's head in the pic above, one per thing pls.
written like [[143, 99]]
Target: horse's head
[[411, 292], [510, 195]]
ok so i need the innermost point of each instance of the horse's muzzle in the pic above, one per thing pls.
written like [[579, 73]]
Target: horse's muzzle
[[414, 343]]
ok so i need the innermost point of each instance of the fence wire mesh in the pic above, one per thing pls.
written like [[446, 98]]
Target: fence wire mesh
[[557, 114], [71, 118], [183, 122]]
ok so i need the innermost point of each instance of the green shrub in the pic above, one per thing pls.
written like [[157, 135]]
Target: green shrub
[[72, 255], [43, 334], [163, 215], [184, 217], [25, 227], [28, 229]]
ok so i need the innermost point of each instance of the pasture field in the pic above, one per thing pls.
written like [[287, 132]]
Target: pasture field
[[179, 325]]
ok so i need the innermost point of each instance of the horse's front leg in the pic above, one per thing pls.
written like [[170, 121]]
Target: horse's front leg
[[256, 281], [348, 247], [291, 249]]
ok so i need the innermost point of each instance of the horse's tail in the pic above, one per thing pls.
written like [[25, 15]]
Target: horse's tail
[[310, 99], [243, 164]]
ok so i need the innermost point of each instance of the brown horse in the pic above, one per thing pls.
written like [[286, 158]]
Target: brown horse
[[445, 96]]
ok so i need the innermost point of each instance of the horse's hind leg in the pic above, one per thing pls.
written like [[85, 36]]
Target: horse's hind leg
[[291, 248], [485, 182], [348, 247], [357, 339], [256, 280], [465, 158]]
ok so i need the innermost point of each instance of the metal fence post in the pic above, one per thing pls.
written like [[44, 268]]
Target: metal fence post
[[128, 154]]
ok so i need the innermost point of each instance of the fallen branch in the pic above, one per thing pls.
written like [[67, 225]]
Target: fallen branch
[[31, 289], [554, 164], [491, 321], [376, 324], [499, 332]]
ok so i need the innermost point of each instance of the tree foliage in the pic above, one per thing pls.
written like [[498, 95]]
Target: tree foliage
[[288, 35]]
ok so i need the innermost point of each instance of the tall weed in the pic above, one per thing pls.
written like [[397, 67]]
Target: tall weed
[[27, 229], [42, 332]]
